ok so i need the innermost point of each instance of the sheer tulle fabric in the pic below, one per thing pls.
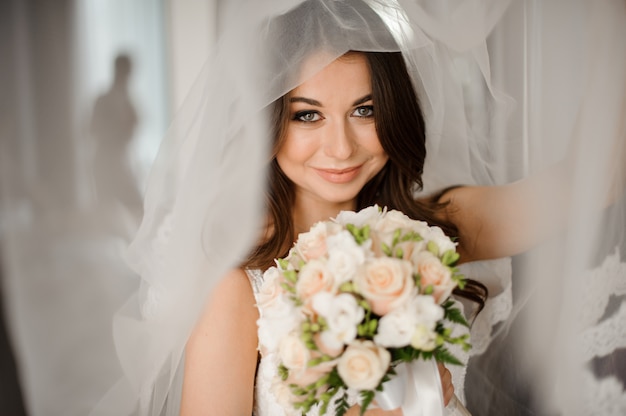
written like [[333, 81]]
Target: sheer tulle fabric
[[204, 200]]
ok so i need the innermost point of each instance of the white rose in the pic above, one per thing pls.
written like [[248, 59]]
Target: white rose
[[433, 273], [366, 216], [345, 256], [437, 236], [276, 322], [396, 329], [314, 277], [342, 314], [363, 365], [386, 283], [426, 311], [424, 338]]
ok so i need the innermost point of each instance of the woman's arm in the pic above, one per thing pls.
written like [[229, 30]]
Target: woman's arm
[[502, 221], [221, 354]]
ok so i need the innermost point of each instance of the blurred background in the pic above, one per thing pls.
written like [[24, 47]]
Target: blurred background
[[87, 90]]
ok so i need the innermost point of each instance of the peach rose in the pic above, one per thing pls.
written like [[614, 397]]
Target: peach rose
[[434, 273], [386, 283], [314, 278], [363, 365]]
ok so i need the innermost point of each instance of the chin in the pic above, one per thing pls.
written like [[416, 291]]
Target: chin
[[341, 197]]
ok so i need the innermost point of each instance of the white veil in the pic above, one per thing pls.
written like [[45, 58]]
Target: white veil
[[203, 207]]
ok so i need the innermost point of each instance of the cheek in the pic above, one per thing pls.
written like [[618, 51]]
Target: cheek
[[295, 149], [369, 141]]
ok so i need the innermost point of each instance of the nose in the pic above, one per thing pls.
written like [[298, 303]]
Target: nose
[[340, 141]]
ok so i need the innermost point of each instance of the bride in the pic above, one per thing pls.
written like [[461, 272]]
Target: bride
[[351, 100]]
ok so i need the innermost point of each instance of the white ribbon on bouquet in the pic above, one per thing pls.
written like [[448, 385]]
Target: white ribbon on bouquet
[[416, 389]]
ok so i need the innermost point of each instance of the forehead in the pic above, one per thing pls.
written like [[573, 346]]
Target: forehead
[[321, 71]]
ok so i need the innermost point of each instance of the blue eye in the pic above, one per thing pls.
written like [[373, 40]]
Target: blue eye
[[364, 111], [307, 116]]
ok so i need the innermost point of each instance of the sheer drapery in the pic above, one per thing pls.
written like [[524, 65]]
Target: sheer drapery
[[532, 83]]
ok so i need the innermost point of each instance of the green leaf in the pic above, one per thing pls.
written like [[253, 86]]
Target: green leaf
[[291, 276], [365, 232], [450, 257], [386, 249], [283, 372], [372, 325], [442, 355], [283, 263], [347, 287], [428, 290], [289, 288], [367, 397], [342, 405], [433, 248], [396, 236], [455, 315]]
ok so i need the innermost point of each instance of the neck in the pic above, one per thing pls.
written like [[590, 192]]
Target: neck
[[306, 213]]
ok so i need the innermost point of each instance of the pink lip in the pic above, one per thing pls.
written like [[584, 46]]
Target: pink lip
[[339, 175]]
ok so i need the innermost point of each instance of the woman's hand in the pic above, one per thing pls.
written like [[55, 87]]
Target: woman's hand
[[446, 383]]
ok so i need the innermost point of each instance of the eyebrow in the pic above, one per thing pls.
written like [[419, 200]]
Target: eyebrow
[[311, 101]]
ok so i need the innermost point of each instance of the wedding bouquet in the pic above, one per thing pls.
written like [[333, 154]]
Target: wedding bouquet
[[356, 296]]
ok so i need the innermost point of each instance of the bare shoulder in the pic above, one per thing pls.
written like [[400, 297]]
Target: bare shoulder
[[232, 297], [221, 353]]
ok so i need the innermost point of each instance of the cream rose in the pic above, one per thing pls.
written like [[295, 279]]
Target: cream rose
[[270, 290], [386, 283], [434, 273], [292, 353], [363, 365], [312, 244], [313, 278], [392, 220], [283, 395]]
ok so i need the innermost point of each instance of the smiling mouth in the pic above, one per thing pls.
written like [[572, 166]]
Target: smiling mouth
[[339, 175]]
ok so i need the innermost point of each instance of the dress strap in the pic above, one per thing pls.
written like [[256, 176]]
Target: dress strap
[[256, 279]]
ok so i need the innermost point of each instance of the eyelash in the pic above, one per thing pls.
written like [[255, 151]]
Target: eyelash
[[298, 116]]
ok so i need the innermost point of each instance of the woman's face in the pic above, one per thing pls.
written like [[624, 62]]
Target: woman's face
[[331, 149]]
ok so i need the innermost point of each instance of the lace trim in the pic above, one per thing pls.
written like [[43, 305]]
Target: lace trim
[[600, 337]]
